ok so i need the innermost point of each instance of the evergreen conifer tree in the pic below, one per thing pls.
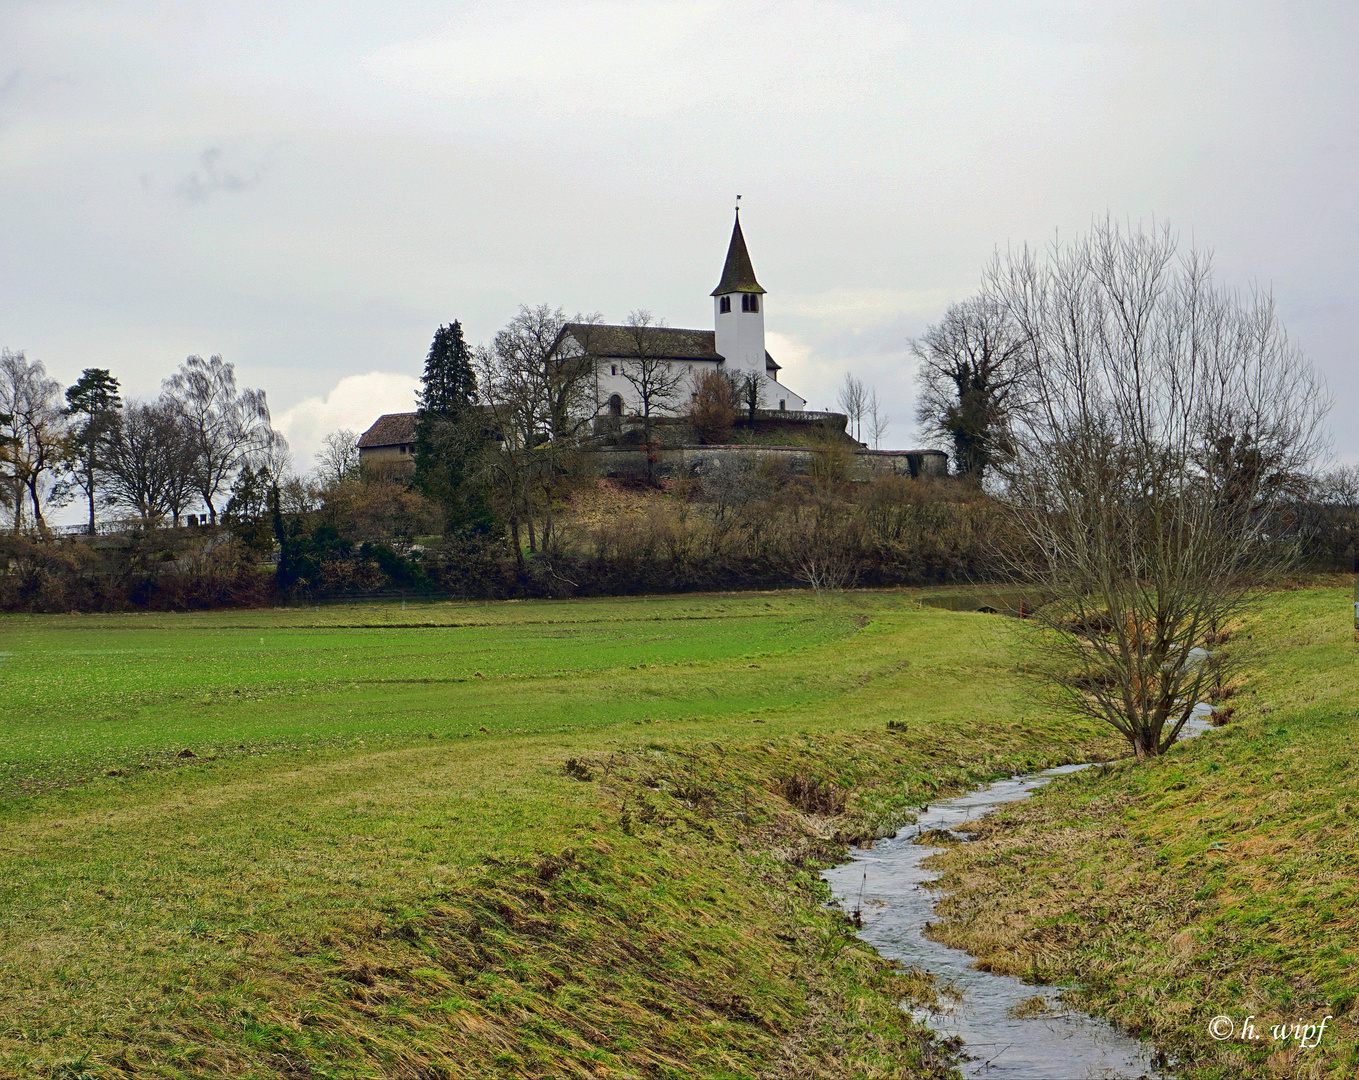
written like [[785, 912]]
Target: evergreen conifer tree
[[94, 397], [448, 385], [446, 432]]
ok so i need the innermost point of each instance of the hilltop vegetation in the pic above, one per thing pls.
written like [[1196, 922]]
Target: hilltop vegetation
[[754, 526]]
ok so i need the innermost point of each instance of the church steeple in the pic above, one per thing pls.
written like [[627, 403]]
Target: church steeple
[[738, 313], [738, 276]]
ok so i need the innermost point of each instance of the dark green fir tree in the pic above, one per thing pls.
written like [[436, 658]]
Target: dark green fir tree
[[447, 432], [449, 384]]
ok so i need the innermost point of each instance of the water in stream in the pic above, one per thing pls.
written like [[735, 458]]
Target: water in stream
[[897, 902]]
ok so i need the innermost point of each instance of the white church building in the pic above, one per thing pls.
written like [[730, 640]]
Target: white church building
[[735, 346]]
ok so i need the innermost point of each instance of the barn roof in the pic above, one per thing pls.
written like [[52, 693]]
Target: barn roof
[[390, 429]]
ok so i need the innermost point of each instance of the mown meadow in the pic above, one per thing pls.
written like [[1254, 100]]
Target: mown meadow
[[471, 840], [1216, 882]]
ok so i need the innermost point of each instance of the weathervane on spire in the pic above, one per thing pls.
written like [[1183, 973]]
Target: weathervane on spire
[[738, 206]]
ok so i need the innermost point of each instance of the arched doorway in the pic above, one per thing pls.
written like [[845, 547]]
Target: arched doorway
[[615, 405]]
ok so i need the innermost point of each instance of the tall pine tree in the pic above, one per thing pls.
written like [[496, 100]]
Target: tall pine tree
[[95, 398], [446, 430]]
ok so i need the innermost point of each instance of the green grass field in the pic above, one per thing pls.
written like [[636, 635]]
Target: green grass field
[[101, 692], [1218, 881], [525, 839]]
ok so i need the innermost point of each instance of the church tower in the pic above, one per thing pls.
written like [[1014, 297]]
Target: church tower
[[738, 305]]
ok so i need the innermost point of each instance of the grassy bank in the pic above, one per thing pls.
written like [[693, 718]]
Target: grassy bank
[[1219, 881], [537, 839]]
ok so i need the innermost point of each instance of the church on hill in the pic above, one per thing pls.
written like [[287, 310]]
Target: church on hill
[[735, 346]]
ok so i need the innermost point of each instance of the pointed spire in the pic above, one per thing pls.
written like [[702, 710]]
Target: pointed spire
[[738, 275]]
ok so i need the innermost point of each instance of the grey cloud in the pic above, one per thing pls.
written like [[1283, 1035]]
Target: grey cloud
[[213, 175]]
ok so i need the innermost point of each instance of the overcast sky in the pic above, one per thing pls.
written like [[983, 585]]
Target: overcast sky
[[310, 189]]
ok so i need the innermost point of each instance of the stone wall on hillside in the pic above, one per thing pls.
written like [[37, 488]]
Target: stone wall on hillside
[[683, 462], [772, 427]]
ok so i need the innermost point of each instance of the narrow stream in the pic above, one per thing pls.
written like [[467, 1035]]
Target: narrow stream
[[897, 902]]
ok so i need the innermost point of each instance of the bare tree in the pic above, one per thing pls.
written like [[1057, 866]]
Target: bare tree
[[535, 384], [8, 488], [229, 425], [569, 388], [656, 381], [853, 398], [36, 434], [878, 420], [1169, 420], [1327, 519], [275, 457], [749, 392], [148, 460], [338, 458], [972, 372]]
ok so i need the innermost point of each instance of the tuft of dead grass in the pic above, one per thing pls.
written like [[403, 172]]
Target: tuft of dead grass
[[812, 796]]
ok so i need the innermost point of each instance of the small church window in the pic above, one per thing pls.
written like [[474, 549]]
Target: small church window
[[783, 404], [750, 302], [724, 304], [613, 369]]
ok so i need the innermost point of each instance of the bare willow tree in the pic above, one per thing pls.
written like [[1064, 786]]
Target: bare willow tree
[[1168, 419], [229, 425], [973, 365]]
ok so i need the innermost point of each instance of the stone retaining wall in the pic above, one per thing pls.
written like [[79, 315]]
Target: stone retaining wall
[[693, 461]]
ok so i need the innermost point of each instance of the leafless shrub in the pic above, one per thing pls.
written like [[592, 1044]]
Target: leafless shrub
[[712, 409], [823, 563]]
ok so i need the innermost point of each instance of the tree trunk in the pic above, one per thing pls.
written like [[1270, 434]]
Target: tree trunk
[[38, 519], [89, 490]]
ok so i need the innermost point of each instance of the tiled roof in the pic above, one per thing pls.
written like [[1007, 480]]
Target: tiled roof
[[663, 342], [390, 429], [608, 340], [738, 275]]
